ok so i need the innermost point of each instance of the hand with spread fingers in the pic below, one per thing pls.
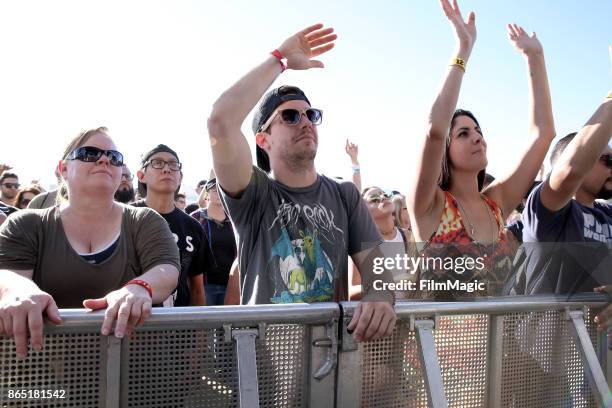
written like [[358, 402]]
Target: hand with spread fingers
[[299, 49], [465, 32], [604, 318], [372, 321], [129, 306], [21, 317], [523, 42]]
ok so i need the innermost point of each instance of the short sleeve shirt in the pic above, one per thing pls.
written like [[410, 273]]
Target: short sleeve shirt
[[294, 243], [566, 251], [36, 240]]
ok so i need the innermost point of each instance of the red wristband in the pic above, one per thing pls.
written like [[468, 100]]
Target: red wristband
[[142, 283], [277, 54]]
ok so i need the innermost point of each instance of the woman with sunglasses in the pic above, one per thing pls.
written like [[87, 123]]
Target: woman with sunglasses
[[398, 241], [25, 195], [88, 251], [451, 214]]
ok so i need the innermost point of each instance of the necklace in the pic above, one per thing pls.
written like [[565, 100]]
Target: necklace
[[388, 233], [472, 225]]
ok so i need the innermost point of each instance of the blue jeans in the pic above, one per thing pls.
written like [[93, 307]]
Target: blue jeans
[[215, 294]]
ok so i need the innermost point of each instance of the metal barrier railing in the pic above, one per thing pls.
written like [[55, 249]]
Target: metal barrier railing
[[524, 351], [505, 352]]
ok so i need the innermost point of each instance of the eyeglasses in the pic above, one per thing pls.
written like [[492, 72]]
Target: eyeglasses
[[378, 198], [606, 159], [128, 177], [11, 185], [293, 116], [159, 164], [93, 154]]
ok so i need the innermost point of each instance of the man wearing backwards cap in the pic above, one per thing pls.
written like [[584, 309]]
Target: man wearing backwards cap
[[159, 178], [296, 228]]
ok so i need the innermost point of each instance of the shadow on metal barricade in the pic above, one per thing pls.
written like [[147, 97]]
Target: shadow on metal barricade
[[501, 352]]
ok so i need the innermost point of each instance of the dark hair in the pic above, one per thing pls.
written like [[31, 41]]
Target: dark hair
[[179, 195], [445, 174], [7, 174], [560, 147], [202, 182], [28, 189]]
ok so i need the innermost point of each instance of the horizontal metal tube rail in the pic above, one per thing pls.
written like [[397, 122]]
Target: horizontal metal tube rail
[[208, 317], [493, 305]]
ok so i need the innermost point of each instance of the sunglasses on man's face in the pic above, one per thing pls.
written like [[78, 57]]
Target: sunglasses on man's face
[[93, 154], [11, 185], [378, 198], [606, 159], [293, 116]]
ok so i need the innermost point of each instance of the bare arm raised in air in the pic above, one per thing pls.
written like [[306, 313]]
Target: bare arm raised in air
[[353, 151], [578, 158], [424, 195], [509, 190], [231, 153]]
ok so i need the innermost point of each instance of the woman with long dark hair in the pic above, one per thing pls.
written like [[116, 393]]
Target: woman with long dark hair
[[452, 215]]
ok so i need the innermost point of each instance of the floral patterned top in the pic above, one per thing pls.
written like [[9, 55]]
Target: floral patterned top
[[452, 257]]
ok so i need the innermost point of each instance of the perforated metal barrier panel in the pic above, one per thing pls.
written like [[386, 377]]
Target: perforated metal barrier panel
[[197, 368], [392, 375], [66, 373], [541, 365]]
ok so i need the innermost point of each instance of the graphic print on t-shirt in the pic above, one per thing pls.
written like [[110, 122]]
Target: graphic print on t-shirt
[[299, 266], [594, 230]]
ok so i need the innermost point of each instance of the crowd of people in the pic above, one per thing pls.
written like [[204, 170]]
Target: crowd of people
[[279, 231]]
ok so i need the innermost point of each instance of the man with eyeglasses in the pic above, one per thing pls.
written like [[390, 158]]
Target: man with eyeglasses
[[567, 232], [9, 185], [296, 227], [125, 192], [159, 179]]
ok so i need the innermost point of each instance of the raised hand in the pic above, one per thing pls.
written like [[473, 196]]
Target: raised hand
[[352, 150], [523, 42], [299, 49], [465, 32]]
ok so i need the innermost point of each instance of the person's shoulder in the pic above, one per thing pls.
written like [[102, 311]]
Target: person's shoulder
[[30, 217], [604, 207], [346, 188], [187, 219], [139, 203], [139, 214]]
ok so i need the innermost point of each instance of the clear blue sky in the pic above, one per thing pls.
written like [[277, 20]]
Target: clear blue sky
[[150, 71]]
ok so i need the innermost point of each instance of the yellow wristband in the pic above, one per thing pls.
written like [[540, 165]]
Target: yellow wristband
[[460, 62]]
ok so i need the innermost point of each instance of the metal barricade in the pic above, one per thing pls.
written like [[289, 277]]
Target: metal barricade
[[540, 351], [242, 356], [522, 351]]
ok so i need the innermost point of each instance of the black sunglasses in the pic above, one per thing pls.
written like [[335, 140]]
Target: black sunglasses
[[93, 154], [606, 160], [11, 185], [294, 116]]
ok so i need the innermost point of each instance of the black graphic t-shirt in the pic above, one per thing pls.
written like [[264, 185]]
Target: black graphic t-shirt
[[294, 243], [188, 235]]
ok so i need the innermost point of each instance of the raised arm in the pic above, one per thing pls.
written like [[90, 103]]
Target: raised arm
[[422, 194], [231, 153], [508, 191], [353, 151]]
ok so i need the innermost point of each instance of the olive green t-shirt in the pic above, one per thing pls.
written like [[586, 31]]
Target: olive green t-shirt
[[35, 239]]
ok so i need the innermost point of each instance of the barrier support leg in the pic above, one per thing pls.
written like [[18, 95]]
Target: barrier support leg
[[247, 366], [494, 361], [429, 361], [592, 368]]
